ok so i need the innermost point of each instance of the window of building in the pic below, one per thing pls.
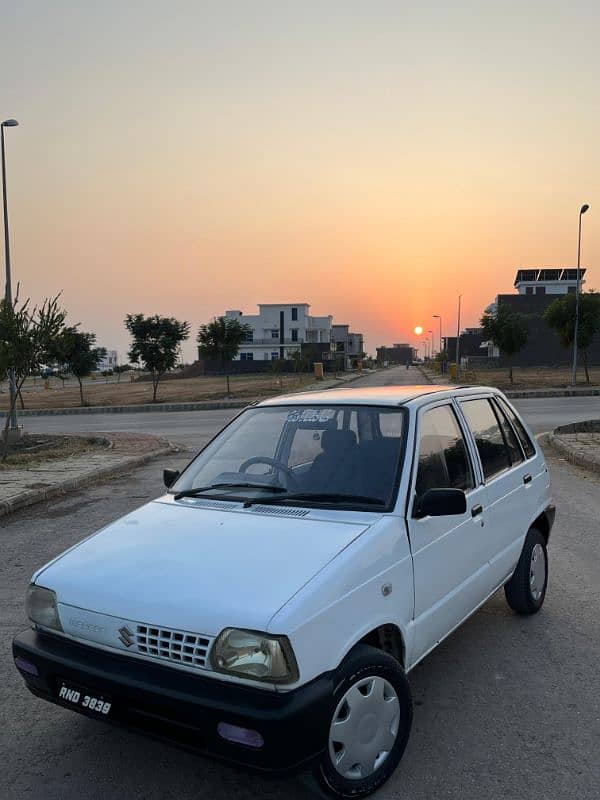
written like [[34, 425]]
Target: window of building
[[529, 290], [249, 335], [294, 314], [274, 356], [540, 290], [294, 334], [526, 443], [491, 446], [275, 333], [246, 356], [443, 458]]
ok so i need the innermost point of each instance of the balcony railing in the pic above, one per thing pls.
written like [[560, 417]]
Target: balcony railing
[[274, 342]]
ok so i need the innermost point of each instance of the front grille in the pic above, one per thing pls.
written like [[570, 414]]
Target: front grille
[[177, 646]]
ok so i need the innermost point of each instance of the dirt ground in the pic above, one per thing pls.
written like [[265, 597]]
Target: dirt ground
[[35, 448], [530, 377], [100, 393]]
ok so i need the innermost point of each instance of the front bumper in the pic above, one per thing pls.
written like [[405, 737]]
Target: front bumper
[[184, 708]]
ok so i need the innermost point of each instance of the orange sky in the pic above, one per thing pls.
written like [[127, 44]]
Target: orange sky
[[372, 160]]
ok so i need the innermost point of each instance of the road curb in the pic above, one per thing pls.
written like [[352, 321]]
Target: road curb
[[121, 467], [589, 461]]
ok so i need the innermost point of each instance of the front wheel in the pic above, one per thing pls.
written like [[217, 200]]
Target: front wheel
[[526, 590], [370, 720]]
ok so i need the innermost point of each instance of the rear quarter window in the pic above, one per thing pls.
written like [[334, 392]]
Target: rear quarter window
[[526, 442]]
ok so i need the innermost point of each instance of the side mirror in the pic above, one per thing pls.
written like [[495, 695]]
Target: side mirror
[[441, 503], [170, 476]]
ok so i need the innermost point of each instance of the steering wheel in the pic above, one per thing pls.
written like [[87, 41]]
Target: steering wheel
[[271, 462]]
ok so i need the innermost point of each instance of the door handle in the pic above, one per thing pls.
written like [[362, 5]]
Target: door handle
[[527, 478], [476, 510]]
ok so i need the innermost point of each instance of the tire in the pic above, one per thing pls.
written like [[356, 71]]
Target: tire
[[372, 685], [526, 590]]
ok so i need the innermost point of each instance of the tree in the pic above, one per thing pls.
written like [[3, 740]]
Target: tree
[[507, 329], [220, 339], [76, 353], [560, 317], [156, 344], [27, 335]]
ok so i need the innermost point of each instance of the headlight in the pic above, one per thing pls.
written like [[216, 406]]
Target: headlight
[[254, 655], [41, 608]]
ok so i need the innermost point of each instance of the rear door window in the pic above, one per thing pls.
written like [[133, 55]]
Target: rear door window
[[491, 446]]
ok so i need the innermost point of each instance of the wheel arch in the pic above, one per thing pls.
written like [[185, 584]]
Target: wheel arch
[[388, 638], [543, 524]]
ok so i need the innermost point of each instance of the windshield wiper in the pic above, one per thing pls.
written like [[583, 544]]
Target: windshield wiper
[[322, 497], [198, 490]]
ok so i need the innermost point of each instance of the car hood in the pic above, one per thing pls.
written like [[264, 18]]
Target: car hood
[[180, 566]]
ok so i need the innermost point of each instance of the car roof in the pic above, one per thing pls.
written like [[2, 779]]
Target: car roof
[[375, 395]]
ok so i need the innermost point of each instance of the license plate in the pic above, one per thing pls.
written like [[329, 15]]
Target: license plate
[[84, 698]]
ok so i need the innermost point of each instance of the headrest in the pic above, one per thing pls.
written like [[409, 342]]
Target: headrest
[[332, 440]]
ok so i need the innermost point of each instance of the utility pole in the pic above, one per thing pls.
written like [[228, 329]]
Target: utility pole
[[458, 339], [8, 123], [582, 211]]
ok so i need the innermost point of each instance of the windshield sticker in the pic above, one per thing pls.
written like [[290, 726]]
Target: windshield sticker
[[311, 415]]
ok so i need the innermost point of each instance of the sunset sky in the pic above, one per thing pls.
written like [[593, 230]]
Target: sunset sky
[[371, 158]]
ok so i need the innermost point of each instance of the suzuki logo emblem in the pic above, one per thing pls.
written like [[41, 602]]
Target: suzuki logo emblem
[[127, 636]]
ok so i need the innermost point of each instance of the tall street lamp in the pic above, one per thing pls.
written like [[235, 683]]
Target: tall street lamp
[[458, 338], [582, 211], [8, 123], [438, 316], [430, 334]]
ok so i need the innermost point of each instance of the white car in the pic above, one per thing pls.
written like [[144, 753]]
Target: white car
[[267, 609]]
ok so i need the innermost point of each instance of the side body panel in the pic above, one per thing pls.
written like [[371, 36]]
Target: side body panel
[[347, 599]]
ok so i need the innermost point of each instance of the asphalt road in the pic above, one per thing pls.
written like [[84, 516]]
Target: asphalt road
[[505, 708], [192, 429]]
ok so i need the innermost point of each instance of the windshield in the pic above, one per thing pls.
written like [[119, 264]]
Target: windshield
[[325, 455]]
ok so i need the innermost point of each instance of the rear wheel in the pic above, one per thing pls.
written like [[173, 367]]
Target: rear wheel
[[371, 715], [526, 590]]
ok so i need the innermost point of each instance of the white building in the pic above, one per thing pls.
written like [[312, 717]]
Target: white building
[[279, 330], [110, 361], [548, 280]]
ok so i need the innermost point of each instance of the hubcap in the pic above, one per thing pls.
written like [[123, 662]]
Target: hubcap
[[364, 728], [537, 572]]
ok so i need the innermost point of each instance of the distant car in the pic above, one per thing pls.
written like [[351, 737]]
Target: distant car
[[267, 609]]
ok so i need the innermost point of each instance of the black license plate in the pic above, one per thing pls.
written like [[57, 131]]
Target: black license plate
[[86, 699]]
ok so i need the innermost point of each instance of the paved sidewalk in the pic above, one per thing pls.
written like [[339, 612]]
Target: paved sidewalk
[[122, 452]]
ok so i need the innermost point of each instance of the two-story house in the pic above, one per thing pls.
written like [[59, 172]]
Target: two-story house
[[346, 344], [279, 330]]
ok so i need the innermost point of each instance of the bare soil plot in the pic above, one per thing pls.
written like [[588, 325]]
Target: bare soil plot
[[34, 449], [529, 377], [99, 393]]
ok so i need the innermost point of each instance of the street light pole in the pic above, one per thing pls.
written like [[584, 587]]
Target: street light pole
[[458, 339], [582, 211], [8, 123], [439, 316]]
